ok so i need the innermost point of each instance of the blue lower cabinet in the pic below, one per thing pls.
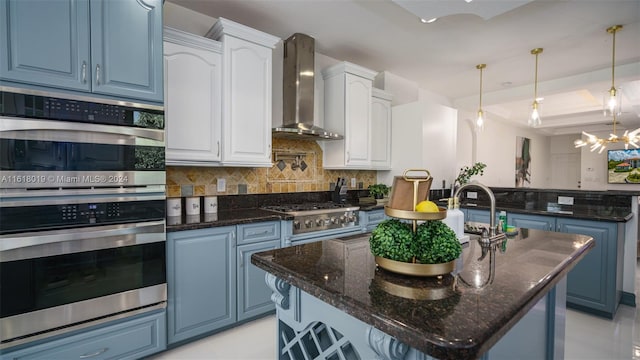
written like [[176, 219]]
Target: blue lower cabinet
[[201, 281], [527, 221], [477, 215], [132, 339], [211, 283], [595, 283], [254, 296], [370, 219]]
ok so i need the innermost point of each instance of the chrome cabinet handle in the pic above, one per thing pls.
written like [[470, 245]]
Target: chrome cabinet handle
[[96, 353], [348, 156], [84, 72], [218, 148], [98, 74], [241, 259]]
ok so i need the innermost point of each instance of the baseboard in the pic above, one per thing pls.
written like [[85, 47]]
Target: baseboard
[[628, 299]]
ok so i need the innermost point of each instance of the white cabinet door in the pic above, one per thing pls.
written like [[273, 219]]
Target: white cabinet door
[[192, 103], [381, 130], [247, 103], [357, 121], [347, 110]]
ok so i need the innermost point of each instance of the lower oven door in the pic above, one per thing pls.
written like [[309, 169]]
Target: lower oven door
[[55, 281]]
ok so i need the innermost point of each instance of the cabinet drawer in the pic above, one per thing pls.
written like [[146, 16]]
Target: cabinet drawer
[[376, 216], [262, 231], [127, 340]]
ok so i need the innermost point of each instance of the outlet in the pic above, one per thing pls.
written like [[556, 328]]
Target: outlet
[[472, 194], [353, 183], [222, 185], [565, 200]]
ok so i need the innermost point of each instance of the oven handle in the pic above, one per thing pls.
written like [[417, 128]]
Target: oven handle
[[120, 235], [72, 129]]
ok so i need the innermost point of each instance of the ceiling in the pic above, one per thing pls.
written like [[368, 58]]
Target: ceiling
[[574, 69]]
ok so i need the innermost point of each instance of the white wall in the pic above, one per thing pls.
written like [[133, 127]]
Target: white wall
[[423, 137], [496, 147], [184, 19]]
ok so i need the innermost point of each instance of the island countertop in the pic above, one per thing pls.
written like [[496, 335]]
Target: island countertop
[[458, 316]]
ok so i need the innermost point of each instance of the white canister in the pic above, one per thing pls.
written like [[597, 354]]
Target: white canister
[[174, 207], [192, 219], [211, 204], [192, 205]]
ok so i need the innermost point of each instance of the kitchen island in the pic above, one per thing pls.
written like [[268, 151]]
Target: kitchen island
[[502, 300]]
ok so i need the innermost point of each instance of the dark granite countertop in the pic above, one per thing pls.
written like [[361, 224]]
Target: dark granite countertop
[[223, 218], [599, 213], [452, 319]]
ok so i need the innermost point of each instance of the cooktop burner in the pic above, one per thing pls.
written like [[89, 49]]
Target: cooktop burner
[[306, 207]]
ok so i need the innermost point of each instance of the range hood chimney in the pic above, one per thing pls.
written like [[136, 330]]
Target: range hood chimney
[[297, 92]]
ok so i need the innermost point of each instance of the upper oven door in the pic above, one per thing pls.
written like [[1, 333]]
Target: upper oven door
[[54, 154]]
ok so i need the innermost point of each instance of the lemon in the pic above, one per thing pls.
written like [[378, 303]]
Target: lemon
[[427, 206]]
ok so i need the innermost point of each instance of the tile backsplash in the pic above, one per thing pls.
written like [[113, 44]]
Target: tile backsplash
[[298, 169]]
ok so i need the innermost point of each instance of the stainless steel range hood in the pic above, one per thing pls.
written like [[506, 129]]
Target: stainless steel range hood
[[297, 92]]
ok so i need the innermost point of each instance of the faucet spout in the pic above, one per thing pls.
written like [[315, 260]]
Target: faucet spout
[[492, 199]]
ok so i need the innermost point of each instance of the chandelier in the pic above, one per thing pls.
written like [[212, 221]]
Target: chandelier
[[480, 119], [611, 108]]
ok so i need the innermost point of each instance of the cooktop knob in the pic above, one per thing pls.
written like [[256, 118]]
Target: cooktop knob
[[296, 224], [319, 222], [308, 223]]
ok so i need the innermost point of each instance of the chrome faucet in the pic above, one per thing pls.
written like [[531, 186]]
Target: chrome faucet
[[492, 198]]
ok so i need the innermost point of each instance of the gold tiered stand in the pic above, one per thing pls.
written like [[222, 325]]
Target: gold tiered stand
[[401, 187]]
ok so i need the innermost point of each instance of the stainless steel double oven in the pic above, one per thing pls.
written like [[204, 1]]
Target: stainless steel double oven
[[82, 212]]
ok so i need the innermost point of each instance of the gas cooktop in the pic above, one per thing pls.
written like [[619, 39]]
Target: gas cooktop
[[312, 217], [288, 208]]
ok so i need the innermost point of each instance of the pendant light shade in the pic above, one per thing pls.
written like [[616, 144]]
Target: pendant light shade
[[481, 117], [534, 118]]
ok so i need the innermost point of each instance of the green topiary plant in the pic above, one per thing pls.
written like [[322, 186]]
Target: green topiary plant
[[392, 239], [433, 243]]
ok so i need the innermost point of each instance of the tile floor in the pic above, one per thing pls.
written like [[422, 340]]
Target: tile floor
[[587, 337]]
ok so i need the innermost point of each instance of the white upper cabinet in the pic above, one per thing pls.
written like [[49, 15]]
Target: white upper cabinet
[[192, 73], [381, 130], [347, 111], [246, 87]]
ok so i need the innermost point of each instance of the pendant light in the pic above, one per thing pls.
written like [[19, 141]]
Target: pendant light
[[612, 108], [534, 119], [612, 103], [480, 119]]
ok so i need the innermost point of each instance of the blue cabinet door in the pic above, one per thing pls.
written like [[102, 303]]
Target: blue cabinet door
[[45, 43], [477, 215], [201, 281], [527, 221], [126, 48], [99, 46], [595, 282], [254, 296]]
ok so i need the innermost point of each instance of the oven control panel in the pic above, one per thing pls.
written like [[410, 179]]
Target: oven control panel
[[47, 217]]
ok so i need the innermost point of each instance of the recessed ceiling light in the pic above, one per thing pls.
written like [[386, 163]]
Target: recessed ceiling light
[[468, 1], [425, 21]]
